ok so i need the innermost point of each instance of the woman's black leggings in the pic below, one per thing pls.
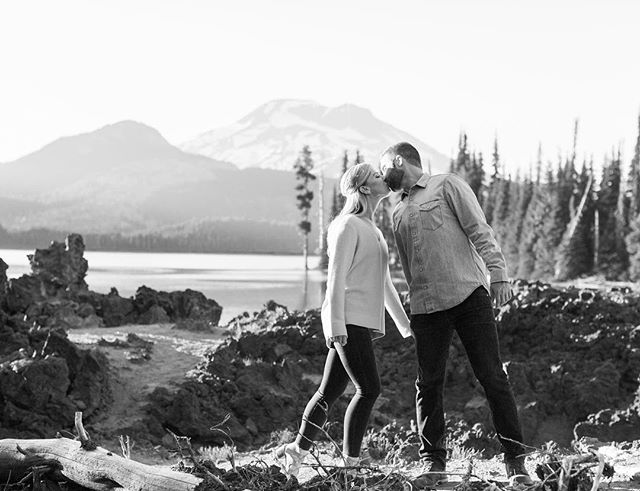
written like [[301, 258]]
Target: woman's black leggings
[[353, 361]]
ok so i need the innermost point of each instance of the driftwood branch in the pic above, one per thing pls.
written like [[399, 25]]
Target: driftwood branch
[[97, 469]]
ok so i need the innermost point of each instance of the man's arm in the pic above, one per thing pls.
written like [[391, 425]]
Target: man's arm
[[464, 203]]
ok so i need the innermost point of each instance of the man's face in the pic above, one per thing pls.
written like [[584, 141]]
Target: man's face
[[391, 171]]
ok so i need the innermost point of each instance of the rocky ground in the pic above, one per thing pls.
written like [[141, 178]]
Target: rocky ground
[[158, 363]]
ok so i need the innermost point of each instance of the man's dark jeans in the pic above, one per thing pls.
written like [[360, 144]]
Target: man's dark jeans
[[474, 321]]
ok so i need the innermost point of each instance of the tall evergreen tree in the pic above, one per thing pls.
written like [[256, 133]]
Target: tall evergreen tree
[[613, 259], [338, 200], [632, 238], [633, 247], [561, 199], [520, 201], [462, 163], [358, 159], [303, 168], [501, 211], [632, 192], [533, 222], [575, 255], [475, 176], [489, 202]]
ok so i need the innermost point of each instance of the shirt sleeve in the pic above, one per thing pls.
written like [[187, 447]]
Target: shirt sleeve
[[402, 250], [342, 240], [465, 205], [394, 306]]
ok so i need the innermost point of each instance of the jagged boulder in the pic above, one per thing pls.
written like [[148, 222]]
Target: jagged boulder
[[46, 380], [189, 309], [61, 266]]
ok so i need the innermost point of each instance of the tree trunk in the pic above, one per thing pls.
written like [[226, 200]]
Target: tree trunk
[[96, 469]]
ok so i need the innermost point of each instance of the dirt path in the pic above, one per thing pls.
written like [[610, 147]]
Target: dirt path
[[173, 354]]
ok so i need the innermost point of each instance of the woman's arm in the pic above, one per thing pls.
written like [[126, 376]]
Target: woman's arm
[[394, 306], [341, 247]]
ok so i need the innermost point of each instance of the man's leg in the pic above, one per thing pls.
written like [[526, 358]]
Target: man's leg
[[476, 326], [432, 334]]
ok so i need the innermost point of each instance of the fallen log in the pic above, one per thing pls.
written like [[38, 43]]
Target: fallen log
[[97, 469]]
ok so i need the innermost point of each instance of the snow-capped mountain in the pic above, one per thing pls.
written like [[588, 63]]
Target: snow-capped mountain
[[272, 136]]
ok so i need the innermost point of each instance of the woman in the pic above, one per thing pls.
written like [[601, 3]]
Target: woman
[[359, 287]]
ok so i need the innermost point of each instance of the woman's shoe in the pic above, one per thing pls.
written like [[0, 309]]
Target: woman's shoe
[[290, 458]]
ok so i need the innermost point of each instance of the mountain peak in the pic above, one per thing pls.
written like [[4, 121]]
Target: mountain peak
[[130, 130], [272, 135]]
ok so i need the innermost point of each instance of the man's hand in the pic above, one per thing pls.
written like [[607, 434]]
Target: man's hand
[[341, 340], [501, 293]]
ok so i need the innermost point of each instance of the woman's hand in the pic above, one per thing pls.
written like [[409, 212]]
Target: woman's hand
[[341, 340]]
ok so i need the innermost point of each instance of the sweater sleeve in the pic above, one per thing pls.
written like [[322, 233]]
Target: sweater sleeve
[[342, 240], [394, 306]]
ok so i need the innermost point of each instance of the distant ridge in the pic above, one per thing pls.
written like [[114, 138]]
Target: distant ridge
[[127, 157], [272, 135]]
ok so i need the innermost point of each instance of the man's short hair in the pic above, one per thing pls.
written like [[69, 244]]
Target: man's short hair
[[406, 151]]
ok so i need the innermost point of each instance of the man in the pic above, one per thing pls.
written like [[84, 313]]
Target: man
[[445, 247]]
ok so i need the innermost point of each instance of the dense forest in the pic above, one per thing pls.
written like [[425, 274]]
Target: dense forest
[[210, 236], [560, 220]]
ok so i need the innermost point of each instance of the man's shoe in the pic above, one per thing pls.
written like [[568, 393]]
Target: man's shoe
[[517, 472], [435, 474], [290, 458]]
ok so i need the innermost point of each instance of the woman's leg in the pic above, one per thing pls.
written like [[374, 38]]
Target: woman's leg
[[334, 382], [359, 363]]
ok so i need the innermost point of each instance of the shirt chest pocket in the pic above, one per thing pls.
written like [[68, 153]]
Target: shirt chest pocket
[[430, 215]]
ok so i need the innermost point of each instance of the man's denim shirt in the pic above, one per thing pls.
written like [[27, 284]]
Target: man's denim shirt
[[444, 242]]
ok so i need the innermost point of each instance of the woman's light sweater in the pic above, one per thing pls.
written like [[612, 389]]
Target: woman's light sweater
[[359, 284]]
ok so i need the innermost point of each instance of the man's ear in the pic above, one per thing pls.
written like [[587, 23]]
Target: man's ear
[[397, 160], [364, 189]]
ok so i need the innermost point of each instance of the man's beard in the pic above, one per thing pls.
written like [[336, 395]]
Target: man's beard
[[394, 179]]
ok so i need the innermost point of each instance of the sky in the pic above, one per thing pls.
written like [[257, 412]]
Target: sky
[[521, 70]]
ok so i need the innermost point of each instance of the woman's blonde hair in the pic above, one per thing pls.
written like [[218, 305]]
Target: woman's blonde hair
[[352, 179]]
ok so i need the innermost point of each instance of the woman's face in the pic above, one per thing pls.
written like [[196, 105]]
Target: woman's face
[[376, 184]]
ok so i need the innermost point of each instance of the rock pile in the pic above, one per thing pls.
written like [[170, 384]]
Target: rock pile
[[568, 353], [44, 377], [56, 294]]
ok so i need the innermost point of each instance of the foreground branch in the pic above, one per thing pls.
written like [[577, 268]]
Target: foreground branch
[[97, 469]]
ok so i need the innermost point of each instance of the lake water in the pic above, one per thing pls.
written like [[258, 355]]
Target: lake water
[[238, 282]]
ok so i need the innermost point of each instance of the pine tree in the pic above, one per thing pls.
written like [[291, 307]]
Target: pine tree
[[382, 219], [575, 255], [492, 190], [358, 160], [534, 219], [613, 257], [338, 200], [633, 246], [462, 163], [561, 199], [520, 201], [475, 176], [501, 212], [303, 168], [632, 238]]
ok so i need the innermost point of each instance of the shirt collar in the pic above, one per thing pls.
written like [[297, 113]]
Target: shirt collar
[[422, 182]]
